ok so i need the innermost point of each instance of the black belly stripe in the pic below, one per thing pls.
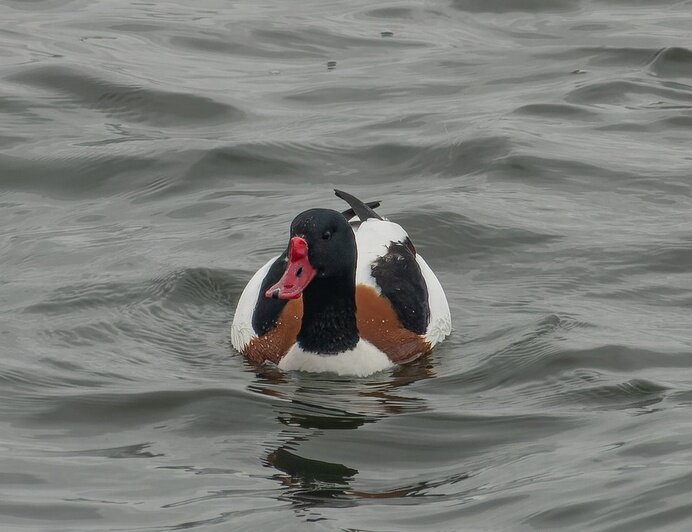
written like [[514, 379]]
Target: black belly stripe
[[267, 309], [399, 277]]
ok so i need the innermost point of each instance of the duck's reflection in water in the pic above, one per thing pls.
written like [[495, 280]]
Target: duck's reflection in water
[[313, 408]]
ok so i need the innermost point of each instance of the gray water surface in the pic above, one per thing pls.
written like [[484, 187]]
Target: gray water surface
[[152, 156]]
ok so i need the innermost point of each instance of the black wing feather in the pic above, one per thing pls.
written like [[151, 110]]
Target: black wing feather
[[399, 277], [268, 309]]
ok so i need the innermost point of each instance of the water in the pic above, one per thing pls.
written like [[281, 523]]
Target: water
[[152, 156]]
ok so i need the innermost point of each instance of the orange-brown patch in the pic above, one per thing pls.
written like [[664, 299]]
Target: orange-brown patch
[[274, 344], [379, 325]]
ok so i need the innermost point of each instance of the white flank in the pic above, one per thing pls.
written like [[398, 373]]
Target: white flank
[[373, 238], [241, 329], [361, 361], [440, 319]]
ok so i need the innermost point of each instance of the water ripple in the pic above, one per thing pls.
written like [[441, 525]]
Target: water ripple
[[536, 151], [130, 103]]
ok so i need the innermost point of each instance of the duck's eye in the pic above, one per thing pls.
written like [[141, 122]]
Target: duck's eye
[[327, 235]]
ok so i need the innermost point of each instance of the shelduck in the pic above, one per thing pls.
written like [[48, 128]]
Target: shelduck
[[349, 295]]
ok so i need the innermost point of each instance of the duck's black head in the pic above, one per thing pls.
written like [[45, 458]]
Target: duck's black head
[[322, 245]]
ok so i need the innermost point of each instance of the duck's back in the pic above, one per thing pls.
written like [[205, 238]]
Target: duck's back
[[402, 308]]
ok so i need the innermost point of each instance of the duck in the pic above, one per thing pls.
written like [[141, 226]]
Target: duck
[[349, 295]]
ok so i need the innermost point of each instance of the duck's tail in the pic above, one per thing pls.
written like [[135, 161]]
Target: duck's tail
[[358, 208]]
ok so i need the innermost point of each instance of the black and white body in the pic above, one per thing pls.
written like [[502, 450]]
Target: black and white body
[[347, 298]]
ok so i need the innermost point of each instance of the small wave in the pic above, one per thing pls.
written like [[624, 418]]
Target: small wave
[[509, 6], [77, 174], [524, 359], [658, 295], [59, 512], [283, 161], [557, 111], [182, 316], [90, 296], [45, 378], [660, 500], [393, 12], [200, 286], [311, 43], [618, 358], [628, 93], [130, 103], [668, 259], [332, 96], [683, 122], [193, 285], [601, 56], [456, 235], [556, 171], [630, 394], [317, 41], [256, 160], [453, 160], [541, 355], [94, 412], [672, 63]]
